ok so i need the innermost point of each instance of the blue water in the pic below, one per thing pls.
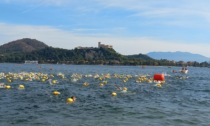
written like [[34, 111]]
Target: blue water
[[179, 102]]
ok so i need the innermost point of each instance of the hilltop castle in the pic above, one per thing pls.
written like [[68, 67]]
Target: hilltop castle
[[104, 46], [99, 46]]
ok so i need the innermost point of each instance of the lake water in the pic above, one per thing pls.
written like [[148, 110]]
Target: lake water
[[183, 100]]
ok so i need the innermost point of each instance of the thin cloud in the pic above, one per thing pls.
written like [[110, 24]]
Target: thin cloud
[[163, 8], [146, 8], [47, 2], [36, 6]]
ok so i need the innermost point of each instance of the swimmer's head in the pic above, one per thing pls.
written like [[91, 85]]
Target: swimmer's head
[[74, 98]]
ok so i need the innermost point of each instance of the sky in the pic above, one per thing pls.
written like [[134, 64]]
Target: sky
[[131, 26]]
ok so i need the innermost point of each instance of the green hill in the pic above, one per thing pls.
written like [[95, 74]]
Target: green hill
[[139, 56], [22, 46], [76, 56]]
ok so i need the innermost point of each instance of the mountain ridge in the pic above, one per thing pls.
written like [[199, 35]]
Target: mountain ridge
[[178, 56]]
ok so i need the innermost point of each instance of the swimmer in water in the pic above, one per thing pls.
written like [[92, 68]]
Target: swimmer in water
[[2, 85], [70, 100], [74, 98]]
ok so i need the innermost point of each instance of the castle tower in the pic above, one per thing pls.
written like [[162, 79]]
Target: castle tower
[[99, 44]]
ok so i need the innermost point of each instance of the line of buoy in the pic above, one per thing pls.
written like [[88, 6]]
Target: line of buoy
[[101, 80]]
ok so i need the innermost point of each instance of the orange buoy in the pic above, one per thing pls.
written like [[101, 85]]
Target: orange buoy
[[159, 77]]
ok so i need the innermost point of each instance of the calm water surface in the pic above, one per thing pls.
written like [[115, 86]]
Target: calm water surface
[[179, 102]]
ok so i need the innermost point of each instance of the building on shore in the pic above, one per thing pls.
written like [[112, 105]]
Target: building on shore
[[31, 62], [104, 46]]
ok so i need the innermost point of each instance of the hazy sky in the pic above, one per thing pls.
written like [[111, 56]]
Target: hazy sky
[[131, 26]]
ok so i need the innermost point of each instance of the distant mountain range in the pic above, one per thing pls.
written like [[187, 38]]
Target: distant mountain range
[[178, 56]]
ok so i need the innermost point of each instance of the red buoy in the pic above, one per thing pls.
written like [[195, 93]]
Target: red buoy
[[159, 77]]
